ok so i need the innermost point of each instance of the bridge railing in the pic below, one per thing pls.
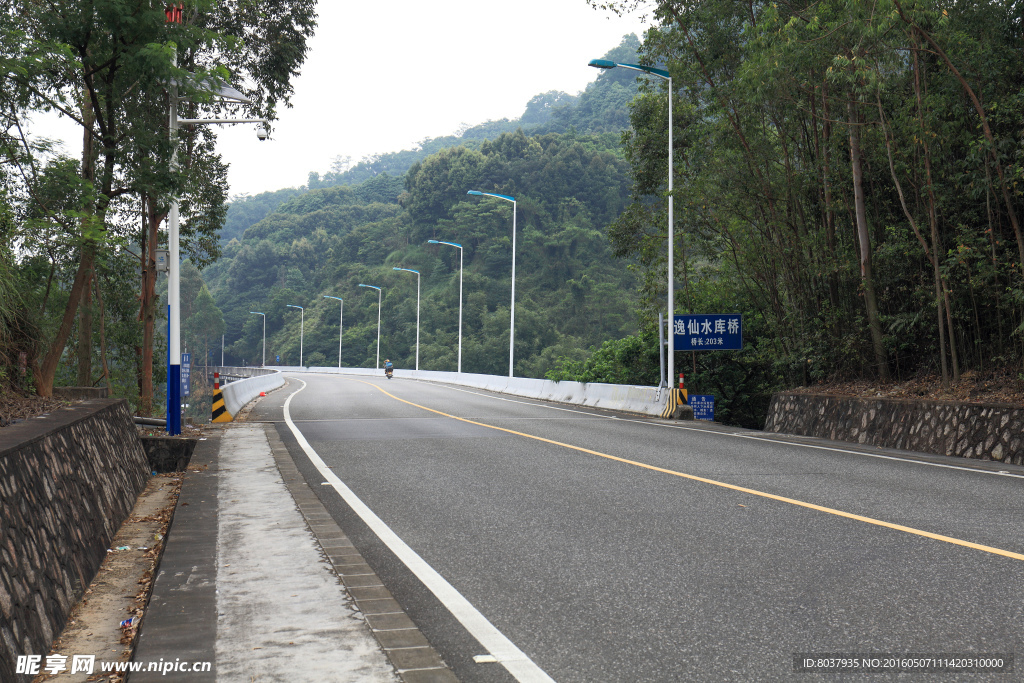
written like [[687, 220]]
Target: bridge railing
[[246, 386], [231, 373], [622, 397]]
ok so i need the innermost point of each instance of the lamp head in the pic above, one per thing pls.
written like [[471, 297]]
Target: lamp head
[[606, 64], [477, 193], [450, 244]]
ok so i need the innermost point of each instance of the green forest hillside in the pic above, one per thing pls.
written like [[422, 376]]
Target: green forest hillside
[[570, 292], [562, 161], [847, 176], [853, 193], [603, 107]]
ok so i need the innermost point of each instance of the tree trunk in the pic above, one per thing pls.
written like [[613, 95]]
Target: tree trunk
[[864, 241], [147, 310], [103, 339], [954, 353], [933, 223], [45, 371], [85, 324], [85, 308], [830, 220], [995, 257]]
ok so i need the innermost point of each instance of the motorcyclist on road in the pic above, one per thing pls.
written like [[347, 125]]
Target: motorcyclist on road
[[389, 367]]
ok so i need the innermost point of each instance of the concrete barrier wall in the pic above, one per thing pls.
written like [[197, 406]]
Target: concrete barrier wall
[[967, 430], [237, 394], [67, 482], [236, 371], [622, 397]]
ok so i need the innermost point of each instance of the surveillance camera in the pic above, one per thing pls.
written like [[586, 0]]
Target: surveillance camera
[[262, 133]]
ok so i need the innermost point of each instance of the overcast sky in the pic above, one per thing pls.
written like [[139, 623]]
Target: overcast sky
[[381, 77]]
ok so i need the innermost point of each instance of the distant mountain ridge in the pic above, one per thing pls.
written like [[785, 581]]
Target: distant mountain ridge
[[602, 108]]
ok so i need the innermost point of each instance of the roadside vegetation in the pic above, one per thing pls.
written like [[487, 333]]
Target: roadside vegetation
[[848, 178]]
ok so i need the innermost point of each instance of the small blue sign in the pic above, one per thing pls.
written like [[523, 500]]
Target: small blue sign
[[708, 332], [186, 373], [278, 358], [703, 406]]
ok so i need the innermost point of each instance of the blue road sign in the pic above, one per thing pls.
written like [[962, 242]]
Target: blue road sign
[[278, 358], [708, 332], [703, 406], [186, 373]]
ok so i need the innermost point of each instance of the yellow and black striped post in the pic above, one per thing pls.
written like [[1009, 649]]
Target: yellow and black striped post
[[220, 411], [676, 398], [673, 403]]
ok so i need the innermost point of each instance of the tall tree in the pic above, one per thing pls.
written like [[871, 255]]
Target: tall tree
[[106, 64], [825, 250]]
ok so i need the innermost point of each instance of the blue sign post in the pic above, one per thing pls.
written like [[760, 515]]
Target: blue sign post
[[186, 373], [703, 406], [708, 332]]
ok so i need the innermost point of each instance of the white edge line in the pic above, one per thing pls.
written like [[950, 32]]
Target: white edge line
[[752, 437], [494, 641]]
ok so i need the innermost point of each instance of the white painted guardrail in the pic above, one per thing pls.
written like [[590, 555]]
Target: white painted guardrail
[[234, 372], [623, 397], [237, 394]]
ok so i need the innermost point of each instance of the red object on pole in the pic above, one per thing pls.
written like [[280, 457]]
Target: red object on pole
[[682, 389], [174, 13], [216, 381]]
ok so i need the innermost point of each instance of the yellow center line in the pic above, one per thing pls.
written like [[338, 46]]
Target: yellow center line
[[722, 484]]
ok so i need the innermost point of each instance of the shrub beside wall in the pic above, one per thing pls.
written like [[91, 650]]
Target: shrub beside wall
[[966, 430], [67, 482]]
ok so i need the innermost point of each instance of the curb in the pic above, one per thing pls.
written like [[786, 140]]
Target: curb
[[407, 648]]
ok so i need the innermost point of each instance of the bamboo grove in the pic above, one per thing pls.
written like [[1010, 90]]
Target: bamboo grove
[[848, 174]]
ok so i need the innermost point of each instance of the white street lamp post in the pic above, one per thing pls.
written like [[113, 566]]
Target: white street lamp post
[[173, 245], [417, 312], [379, 291], [264, 337], [512, 321], [341, 323], [459, 246], [173, 285], [302, 329], [662, 73]]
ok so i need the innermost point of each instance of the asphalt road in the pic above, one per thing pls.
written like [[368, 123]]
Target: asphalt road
[[611, 548]]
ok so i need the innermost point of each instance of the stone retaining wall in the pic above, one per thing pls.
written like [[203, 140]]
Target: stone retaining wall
[[67, 482], [966, 430]]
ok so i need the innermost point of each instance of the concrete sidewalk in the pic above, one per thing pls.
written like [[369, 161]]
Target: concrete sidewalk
[[245, 585]]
